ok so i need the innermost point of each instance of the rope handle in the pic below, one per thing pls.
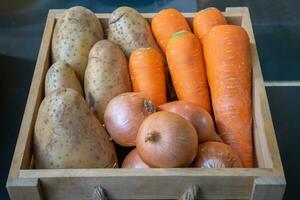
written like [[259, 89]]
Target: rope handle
[[192, 193], [99, 193]]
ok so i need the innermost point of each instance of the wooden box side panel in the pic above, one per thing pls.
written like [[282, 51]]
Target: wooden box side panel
[[154, 187], [157, 183], [145, 183], [22, 154]]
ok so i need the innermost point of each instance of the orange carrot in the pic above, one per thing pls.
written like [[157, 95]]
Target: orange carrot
[[187, 69], [205, 19], [228, 66], [147, 74], [165, 23]]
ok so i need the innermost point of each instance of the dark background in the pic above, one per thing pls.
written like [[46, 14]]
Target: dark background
[[276, 26]]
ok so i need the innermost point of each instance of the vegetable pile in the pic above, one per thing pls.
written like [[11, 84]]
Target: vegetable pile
[[104, 93]]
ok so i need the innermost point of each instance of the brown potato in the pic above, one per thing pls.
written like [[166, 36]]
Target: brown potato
[[68, 135], [76, 31], [61, 75], [130, 30], [106, 76]]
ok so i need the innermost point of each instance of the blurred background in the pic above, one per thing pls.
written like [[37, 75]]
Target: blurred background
[[276, 25]]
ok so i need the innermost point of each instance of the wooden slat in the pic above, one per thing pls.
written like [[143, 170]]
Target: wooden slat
[[153, 187], [261, 147], [231, 17], [232, 172], [22, 154], [144, 183]]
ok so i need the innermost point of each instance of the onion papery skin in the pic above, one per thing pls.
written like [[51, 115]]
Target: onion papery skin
[[123, 116], [200, 118], [216, 155], [167, 140], [133, 160]]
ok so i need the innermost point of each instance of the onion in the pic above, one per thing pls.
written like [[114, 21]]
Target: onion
[[123, 116], [216, 155], [133, 160], [199, 117], [167, 140]]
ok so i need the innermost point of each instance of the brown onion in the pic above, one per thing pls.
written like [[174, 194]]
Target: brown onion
[[133, 160], [166, 140], [216, 155], [200, 118], [123, 116]]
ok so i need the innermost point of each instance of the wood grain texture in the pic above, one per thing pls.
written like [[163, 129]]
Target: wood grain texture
[[142, 184], [268, 188], [264, 182], [22, 154], [145, 183], [163, 172], [25, 189]]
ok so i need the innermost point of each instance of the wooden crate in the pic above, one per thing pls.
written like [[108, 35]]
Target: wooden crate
[[266, 181]]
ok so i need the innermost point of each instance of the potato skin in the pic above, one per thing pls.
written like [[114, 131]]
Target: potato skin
[[60, 75], [76, 31], [68, 135], [106, 76], [130, 30]]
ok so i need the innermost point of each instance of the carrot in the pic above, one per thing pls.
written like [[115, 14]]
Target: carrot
[[205, 19], [187, 69], [165, 23], [147, 74], [228, 67]]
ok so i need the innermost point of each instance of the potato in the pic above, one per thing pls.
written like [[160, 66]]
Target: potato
[[68, 135], [130, 30], [61, 75], [76, 31], [106, 76]]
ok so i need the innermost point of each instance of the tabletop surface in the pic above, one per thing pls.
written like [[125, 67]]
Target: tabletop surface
[[276, 25]]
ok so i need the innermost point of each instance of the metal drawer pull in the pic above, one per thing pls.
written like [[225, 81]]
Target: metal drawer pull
[[192, 193]]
